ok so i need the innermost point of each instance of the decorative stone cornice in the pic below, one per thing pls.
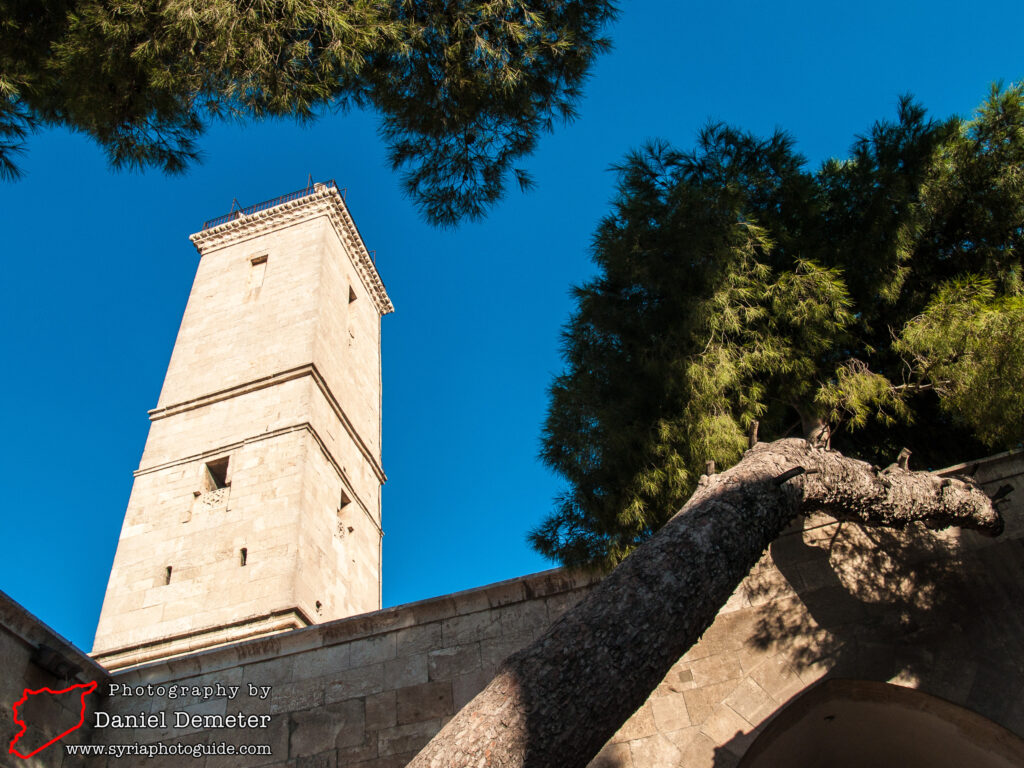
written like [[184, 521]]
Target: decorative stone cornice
[[324, 201]]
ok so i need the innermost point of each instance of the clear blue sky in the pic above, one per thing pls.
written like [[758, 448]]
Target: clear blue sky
[[97, 268]]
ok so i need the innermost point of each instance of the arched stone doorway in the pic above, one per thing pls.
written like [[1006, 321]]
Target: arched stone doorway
[[866, 724]]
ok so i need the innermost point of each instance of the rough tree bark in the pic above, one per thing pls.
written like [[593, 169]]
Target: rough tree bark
[[555, 703]]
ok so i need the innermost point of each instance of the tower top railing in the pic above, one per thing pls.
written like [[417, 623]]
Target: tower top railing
[[236, 213]]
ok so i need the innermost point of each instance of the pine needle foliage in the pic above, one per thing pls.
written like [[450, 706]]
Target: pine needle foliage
[[464, 87], [872, 303]]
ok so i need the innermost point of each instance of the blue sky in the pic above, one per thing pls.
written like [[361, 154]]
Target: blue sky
[[97, 268]]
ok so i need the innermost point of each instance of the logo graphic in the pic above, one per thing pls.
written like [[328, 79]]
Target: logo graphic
[[86, 689]]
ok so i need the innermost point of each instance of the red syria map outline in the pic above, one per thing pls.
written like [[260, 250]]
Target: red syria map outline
[[88, 688]]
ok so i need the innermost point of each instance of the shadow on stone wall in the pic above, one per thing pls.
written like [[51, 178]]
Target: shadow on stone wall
[[943, 613]]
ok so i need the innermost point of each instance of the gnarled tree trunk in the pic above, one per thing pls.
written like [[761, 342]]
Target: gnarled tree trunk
[[555, 703]]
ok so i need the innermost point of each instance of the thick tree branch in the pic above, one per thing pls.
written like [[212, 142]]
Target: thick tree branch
[[848, 489], [555, 703]]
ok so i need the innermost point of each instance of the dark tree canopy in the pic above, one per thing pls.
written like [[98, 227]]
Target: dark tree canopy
[[464, 87], [872, 304]]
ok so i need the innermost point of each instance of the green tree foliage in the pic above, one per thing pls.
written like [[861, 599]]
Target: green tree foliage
[[873, 303], [464, 87]]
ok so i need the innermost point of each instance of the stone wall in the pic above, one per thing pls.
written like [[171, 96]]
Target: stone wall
[[367, 691], [939, 612], [45, 716], [935, 611]]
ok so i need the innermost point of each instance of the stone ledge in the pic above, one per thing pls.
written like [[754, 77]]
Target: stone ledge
[[545, 583], [253, 629]]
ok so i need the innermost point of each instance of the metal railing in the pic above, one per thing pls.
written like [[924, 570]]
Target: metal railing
[[297, 194]]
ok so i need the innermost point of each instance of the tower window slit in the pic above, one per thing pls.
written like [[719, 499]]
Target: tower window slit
[[343, 502], [167, 575], [244, 555], [257, 271], [217, 474], [348, 317]]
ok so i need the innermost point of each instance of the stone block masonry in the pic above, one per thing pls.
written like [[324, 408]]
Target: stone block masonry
[[254, 529], [256, 507], [938, 612], [935, 612], [22, 636], [369, 690]]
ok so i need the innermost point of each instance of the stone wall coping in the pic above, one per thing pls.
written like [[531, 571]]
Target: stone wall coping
[[33, 631], [996, 467], [523, 588]]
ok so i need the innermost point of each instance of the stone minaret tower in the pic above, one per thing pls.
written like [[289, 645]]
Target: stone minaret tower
[[256, 506]]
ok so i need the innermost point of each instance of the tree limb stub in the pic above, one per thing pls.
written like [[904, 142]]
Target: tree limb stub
[[555, 703]]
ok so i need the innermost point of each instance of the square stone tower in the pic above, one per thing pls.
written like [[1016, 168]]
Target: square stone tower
[[256, 506]]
